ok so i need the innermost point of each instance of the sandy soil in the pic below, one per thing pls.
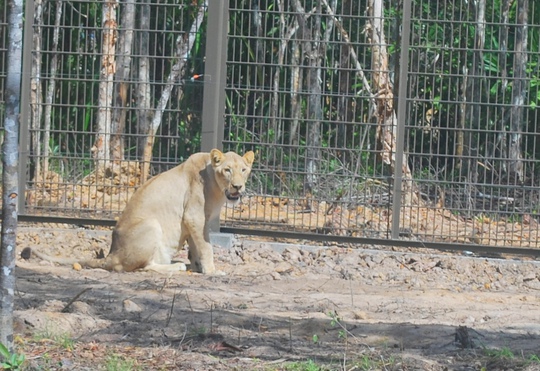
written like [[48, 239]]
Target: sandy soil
[[278, 306]]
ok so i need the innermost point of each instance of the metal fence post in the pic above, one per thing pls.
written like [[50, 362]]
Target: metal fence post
[[24, 124], [215, 70], [401, 117], [215, 75]]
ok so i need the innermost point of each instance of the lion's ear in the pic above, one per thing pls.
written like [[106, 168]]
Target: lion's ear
[[216, 156], [249, 157]]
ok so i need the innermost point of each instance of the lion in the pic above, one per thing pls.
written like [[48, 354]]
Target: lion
[[171, 208]]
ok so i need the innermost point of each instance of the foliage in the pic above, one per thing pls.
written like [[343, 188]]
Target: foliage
[[10, 361], [500, 353], [63, 340], [75, 107], [308, 365], [507, 357], [269, 97], [441, 55], [336, 322], [118, 363]]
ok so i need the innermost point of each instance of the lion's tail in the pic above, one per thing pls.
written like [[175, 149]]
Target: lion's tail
[[104, 263], [54, 259], [109, 263]]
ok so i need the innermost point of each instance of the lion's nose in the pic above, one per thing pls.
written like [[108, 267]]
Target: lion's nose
[[237, 187]]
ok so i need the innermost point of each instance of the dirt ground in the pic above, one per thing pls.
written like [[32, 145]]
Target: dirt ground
[[279, 307]]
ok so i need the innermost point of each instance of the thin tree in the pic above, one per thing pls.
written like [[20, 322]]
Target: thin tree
[[101, 148], [123, 70], [312, 49], [296, 87], [467, 144], [500, 149], [36, 98], [286, 33], [344, 102], [144, 113], [384, 100], [10, 162], [519, 93], [49, 97], [183, 46]]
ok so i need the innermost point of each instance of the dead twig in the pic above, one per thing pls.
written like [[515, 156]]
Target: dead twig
[[169, 315], [66, 307]]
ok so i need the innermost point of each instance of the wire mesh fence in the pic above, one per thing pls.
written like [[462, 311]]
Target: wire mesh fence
[[472, 129], [375, 120], [315, 86], [113, 99]]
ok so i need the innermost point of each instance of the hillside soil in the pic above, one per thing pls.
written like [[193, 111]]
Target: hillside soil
[[278, 307]]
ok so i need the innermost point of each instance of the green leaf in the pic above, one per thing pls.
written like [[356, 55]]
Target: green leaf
[[4, 351]]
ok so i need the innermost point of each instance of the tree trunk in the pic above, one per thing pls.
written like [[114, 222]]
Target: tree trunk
[[348, 57], [10, 176], [144, 113], [183, 47], [314, 108], [311, 48], [285, 36], [296, 87], [101, 148], [500, 149], [384, 99], [519, 92], [343, 103], [259, 43], [473, 96], [123, 70], [297, 80], [36, 98], [274, 113], [50, 89]]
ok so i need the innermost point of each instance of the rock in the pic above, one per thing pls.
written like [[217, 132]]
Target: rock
[[284, 268], [361, 315], [26, 253], [378, 258], [82, 308], [58, 323], [52, 306], [271, 255], [131, 307], [292, 254], [350, 259]]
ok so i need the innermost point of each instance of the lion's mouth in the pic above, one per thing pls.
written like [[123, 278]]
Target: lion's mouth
[[232, 196]]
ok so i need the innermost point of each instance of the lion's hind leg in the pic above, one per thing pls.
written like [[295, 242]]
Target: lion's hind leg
[[166, 268]]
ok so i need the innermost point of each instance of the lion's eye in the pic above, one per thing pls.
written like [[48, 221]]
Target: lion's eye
[[227, 170], [244, 170]]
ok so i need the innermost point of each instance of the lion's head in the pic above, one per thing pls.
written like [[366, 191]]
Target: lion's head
[[231, 172]]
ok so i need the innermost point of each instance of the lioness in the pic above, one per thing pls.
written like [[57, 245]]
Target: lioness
[[171, 208]]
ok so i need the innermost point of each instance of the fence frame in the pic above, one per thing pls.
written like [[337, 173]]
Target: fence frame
[[213, 133]]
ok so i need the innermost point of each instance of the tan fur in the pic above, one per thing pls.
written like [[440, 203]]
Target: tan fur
[[171, 208]]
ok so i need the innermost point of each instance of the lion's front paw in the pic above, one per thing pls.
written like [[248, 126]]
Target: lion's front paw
[[204, 268], [218, 273], [179, 266]]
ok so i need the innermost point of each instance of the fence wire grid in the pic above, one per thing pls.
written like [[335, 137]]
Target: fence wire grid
[[412, 123]]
